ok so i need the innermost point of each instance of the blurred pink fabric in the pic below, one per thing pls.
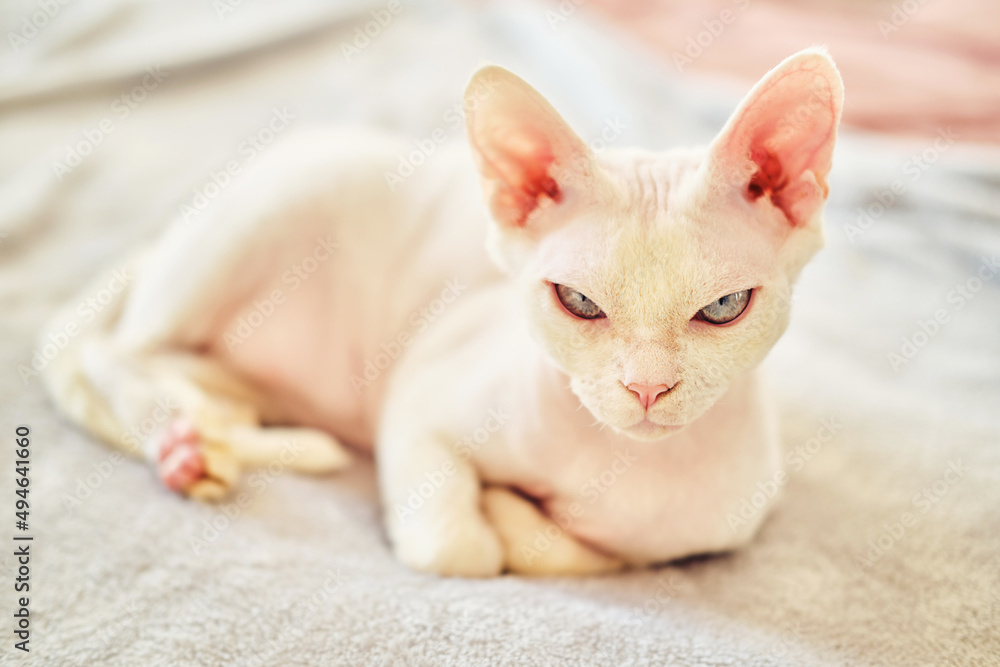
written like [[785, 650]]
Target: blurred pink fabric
[[909, 66]]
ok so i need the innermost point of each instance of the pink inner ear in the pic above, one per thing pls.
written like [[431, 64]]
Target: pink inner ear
[[534, 189], [524, 150], [769, 178], [532, 182], [522, 168], [784, 132]]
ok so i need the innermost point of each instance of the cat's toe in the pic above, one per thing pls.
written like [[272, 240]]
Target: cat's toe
[[189, 464], [180, 461], [535, 544]]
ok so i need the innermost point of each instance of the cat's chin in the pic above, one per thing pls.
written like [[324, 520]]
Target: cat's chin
[[648, 431]]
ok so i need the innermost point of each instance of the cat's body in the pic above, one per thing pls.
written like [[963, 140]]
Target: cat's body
[[314, 295], [383, 260]]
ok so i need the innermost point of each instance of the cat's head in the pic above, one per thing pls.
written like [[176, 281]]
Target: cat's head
[[654, 280]]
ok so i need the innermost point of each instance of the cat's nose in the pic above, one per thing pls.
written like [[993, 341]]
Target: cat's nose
[[647, 393]]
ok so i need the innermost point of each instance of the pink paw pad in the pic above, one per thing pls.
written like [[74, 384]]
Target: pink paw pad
[[181, 462]]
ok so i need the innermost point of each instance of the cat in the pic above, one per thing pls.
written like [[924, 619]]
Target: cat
[[576, 395]]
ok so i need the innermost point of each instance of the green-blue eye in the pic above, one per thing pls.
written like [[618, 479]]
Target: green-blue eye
[[578, 304], [726, 309]]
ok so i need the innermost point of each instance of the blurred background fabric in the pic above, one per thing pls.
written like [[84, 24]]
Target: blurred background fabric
[[116, 115], [910, 66]]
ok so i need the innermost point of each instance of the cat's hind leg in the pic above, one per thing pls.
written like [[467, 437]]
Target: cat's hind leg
[[138, 377], [186, 413]]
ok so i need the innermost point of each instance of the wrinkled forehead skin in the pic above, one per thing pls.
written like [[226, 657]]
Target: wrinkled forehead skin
[[656, 242]]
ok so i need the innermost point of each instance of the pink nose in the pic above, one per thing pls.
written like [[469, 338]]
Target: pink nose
[[647, 393]]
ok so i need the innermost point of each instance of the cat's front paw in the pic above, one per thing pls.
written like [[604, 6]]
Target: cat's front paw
[[537, 545], [450, 545], [189, 464]]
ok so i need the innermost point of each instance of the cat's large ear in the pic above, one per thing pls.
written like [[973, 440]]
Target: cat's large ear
[[526, 153], [779, 143]]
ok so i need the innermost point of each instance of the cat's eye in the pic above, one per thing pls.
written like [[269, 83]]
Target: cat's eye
[[726, 309], [578, 304]]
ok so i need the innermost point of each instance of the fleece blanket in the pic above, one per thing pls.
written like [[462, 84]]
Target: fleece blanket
[[117, 115]]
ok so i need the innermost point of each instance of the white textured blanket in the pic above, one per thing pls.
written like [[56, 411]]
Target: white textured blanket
[[117, 115]]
